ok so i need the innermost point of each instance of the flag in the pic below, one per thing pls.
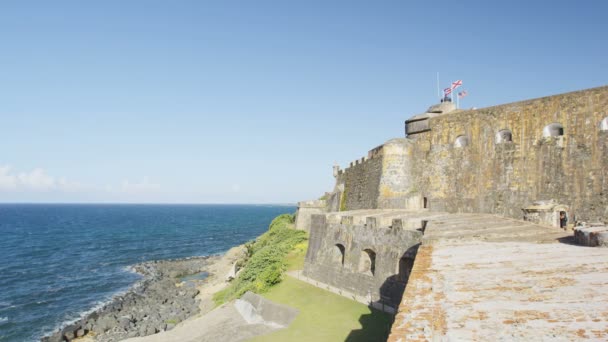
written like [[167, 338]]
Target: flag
[[462, 94], [447, 91], [456, 84]]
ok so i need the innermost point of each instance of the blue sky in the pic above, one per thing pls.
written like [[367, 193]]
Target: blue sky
[[254, 101]]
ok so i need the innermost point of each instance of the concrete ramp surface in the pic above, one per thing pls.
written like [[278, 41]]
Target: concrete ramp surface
[[240, 320]]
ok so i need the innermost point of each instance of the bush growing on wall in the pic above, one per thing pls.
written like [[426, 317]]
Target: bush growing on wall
[[265, 264]]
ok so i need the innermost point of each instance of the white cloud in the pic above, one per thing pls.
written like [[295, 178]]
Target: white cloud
[[7, 181], [37, 183], [143, 186], [36, 179]]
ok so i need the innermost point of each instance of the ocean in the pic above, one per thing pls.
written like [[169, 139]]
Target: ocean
[[58, 261]]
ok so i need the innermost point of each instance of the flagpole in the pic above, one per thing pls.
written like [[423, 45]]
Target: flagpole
[[438, 91], [457, 101]]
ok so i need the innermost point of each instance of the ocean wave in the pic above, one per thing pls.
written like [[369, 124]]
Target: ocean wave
[[3, 320]]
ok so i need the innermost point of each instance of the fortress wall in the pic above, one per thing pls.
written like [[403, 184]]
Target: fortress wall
[[326, 264], [381, 180], [395, 184], [361, 183], [503, 178], [305, 211]]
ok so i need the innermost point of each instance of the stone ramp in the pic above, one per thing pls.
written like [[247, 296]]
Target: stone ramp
[[452, 228], [487, 278], [243, 319]]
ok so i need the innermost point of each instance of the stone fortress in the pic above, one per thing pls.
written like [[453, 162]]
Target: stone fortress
[[463, 228]]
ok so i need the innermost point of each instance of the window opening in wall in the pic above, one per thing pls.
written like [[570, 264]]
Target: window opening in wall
[[338, 254], [604, 124], [367, 263], [405, 269], [504, 136], [425, 202], [461, 141], [553, 130]]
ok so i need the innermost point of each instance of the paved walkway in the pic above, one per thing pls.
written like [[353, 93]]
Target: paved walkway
[[487, 278]]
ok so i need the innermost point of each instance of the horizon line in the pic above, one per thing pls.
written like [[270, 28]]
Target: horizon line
[[148, 203]]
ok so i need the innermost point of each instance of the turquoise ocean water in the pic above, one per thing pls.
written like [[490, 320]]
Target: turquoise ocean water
[[59, 261]]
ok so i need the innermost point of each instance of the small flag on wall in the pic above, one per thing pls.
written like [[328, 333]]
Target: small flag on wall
[[456, 84], [447, 91], [462, 94]]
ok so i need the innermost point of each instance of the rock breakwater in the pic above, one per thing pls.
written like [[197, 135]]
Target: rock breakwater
[[155, 303]]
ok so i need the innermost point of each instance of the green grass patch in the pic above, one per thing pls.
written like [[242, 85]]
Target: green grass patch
[[325, 316], [266, 259], [294, 260]]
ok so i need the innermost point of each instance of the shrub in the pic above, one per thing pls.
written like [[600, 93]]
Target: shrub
[[265, 264]]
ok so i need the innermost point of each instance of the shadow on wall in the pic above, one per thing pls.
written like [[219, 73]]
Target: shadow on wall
[[375, 326]]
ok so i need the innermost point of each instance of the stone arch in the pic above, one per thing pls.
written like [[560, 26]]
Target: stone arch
[[553, 130], [367, 262], [604, 124], [504, 136], [461, 141], [338, 252]]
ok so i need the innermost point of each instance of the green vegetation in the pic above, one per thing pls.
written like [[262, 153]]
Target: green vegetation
[[343, 199], [325, 316], [295, 259], [266, 259]]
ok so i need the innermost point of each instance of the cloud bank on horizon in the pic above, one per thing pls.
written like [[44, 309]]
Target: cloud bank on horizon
[[23, 185]]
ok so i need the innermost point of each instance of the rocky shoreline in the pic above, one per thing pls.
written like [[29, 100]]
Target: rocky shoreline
[[155, 303]]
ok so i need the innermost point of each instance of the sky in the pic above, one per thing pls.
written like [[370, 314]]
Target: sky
[[255, 101]]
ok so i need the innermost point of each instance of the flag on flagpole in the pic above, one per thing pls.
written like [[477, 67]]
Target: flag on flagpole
[[462, 94], [456, 84], [447, 91]]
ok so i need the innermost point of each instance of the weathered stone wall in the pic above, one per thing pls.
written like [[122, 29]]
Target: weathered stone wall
[[379, 181], [395, 182], [305, 210], [348, 270], [502, 178], [361, 183]]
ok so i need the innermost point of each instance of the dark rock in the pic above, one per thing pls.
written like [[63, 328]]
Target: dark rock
[[148, 305]]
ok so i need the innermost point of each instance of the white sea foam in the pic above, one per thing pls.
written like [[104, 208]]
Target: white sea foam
[[75, 318], [3, 319]]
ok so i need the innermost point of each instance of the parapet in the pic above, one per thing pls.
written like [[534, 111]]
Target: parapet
[[312, 204], [420, 123]]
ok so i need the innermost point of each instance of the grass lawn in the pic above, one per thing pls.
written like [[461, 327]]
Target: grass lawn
[[295, 258], [325, 316]]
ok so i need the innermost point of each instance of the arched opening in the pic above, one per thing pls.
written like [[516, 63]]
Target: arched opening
[[604, 124], [504, 136], [405, 269], [367, 262], [338, 254], [461, 141], [563, 219], [553, 130]]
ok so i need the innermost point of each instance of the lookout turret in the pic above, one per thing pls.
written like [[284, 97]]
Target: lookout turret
[[420, 123]]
